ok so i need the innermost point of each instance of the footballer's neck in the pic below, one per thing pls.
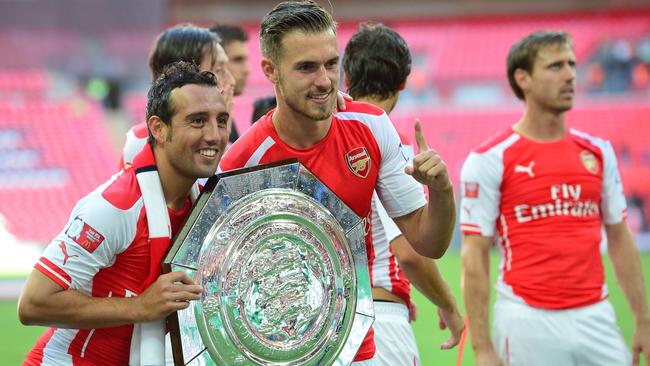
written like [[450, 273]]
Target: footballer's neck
[[386, 104], [542, 125], [297, 130], [176, 187]]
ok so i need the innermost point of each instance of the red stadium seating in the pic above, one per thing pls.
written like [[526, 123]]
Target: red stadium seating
[[51, 155]]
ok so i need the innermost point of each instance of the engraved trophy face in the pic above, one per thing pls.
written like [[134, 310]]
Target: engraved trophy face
[[283, 267]]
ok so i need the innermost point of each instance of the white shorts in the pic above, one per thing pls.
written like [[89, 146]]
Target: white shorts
[[524, 335], [394, 337]]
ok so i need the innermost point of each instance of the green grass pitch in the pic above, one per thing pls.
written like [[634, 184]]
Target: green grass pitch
[[16, 340]]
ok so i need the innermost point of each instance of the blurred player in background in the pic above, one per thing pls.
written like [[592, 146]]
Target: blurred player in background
[[233, 40], [262, 106], [376, 64], [184, 42], [98, 282], [545, 191], [352, 152]]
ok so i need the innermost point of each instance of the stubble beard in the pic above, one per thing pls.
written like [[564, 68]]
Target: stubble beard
[[323, 111]]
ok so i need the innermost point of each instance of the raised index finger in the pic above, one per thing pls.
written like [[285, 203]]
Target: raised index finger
[[419, 137]]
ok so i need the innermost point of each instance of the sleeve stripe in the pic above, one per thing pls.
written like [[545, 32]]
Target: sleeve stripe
[[54, 273], [470, 229]]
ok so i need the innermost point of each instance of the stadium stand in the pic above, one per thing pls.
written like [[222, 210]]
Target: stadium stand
[[51, 154]]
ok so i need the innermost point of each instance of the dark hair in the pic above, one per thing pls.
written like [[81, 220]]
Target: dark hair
[[175, 75], [522, 55], [184, 42], [229, 33], [306, 16], [376, 61], [262, 106]]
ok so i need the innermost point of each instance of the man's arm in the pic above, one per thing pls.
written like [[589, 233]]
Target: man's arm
[[429, 228], [625, 259], [475, 254], [424, 275], [44, 302]]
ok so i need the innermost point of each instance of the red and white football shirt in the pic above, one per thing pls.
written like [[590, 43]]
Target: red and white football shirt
[[547, 203], [385, 271], [360, 153], [136, 138], [104, 251]]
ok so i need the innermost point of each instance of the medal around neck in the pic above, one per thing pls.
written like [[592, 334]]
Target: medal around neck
[[283, 266]]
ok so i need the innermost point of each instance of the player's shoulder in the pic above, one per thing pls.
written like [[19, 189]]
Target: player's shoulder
[[498, 142], [590, 142], [140, 130], [112, 209], [121, 192], [249, 142], [362, 113], [362, 107]]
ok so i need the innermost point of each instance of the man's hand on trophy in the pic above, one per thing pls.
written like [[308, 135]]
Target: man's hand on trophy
[[428, 167], [171, 292]]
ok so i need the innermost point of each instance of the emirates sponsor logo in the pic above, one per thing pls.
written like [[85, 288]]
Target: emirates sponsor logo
[[565, 201], [358, 161], [589, 161]]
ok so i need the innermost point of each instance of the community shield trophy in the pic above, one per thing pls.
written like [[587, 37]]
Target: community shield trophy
[[283, 266]]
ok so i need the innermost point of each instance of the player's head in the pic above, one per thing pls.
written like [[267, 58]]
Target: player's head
[[184, 42], [187, 120], [262, 106], [542, 66], [233, 40], [301, 58], [376, 62]]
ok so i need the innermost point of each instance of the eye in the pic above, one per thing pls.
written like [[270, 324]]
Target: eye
[[306, 67], [222, 120], [332, 63], [198, 121]]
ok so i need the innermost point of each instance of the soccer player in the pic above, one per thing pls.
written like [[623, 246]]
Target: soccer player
[[99, 282], [352, 152], [376, 64], [233, 40], [262, 106], [184, 42], [545, 191]]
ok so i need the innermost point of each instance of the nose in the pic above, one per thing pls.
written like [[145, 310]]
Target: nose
[[571, 72], [211, 133], [323, 80]]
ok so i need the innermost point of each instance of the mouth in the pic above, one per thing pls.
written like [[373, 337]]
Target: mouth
[[320, 98], [208, 153]]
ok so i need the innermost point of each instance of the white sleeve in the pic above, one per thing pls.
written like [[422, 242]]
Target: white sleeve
[[399, 193], [95, 234], [391, 231], [480, 181], [613, 206], [132, 146]]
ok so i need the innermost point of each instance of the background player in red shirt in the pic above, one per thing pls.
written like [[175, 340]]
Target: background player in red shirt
[[545, 191], [101, 274], [233, 40], [183, 42], [352, 152], [376, 64]]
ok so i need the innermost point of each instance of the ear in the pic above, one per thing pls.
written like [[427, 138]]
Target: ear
[[522, 78], [158, 129], [402, 85], [269, 69]]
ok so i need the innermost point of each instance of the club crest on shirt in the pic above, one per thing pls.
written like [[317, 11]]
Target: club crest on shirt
[[358, 161], [589, 161], [84, 235], [471, 189]]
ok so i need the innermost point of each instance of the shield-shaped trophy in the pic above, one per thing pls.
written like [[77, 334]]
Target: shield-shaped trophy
[[283, 266]]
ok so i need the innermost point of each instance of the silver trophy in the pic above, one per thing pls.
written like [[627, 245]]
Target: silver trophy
[[283, 266]]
